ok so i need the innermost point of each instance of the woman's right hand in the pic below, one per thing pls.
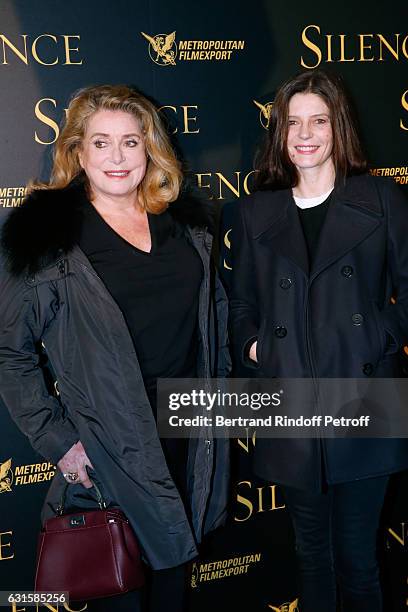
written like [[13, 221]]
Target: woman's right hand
[[74, 462], [252, 352]]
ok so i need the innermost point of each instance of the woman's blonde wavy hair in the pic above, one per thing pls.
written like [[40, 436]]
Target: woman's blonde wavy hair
[[162, 181]]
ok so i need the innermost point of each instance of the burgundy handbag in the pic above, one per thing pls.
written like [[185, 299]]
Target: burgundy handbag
[[88, 554]]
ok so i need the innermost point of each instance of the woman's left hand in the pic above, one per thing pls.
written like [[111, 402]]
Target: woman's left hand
[[252, 352], [73, 465]]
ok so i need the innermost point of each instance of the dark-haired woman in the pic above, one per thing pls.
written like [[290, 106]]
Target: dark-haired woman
[[318, 251]]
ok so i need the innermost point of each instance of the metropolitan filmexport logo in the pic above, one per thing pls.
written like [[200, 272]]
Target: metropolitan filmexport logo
[[286, 607], [207, 571], [6, 476], [11, 197], [162, 48], [264, 113], [26, 474]]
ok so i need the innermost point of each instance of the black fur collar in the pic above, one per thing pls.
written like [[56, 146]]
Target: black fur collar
[[48, 223]]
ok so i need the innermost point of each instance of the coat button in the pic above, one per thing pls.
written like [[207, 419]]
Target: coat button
[[347, 271], [357, 318], [30, 280], [280, 331], [368, 369], [285, 283]]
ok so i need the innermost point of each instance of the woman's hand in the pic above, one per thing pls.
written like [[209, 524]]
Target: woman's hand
[[252, 352], [73, 463]]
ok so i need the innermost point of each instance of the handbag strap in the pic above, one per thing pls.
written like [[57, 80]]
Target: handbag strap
[[101, 502]]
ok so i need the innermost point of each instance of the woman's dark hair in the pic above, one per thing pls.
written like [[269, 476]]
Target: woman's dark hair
[[275, 168]]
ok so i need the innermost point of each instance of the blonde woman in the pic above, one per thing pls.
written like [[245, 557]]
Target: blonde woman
[[114, 285]]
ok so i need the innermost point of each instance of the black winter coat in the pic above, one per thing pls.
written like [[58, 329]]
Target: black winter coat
[[334, 320], [52, 300]]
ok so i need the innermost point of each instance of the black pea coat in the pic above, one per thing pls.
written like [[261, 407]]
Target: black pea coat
[[52, 300], [332, 320]]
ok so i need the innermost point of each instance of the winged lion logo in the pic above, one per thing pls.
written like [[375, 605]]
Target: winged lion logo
[[164, 46], [287, 607], [264, 113], [6, 476], [194, 576]]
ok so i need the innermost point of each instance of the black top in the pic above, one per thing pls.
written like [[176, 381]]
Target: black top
[[157, 292], [312, 220]]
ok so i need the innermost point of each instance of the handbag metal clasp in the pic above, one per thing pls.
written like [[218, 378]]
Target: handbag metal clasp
[[77, 521]]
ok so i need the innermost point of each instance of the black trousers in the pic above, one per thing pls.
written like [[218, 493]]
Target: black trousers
[[336, 545], [165, 590]]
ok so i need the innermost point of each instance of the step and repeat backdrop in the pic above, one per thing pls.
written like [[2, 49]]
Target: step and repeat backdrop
[[212, 68]]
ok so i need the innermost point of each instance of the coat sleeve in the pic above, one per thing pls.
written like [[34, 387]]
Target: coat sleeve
[[395, 316], [39, 415], [244, 315]]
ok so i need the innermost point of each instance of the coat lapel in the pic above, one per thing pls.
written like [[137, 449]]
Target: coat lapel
[[352, 216], [354, 213], [285, 234]]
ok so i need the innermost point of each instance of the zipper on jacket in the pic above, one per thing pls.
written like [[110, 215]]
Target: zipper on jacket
[[206, 352], [61, 267]]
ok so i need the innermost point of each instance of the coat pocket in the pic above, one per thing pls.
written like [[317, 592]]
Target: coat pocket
[[260, 344], [381, 333]]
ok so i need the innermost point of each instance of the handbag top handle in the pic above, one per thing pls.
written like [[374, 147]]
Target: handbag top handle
[[101, 502]]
